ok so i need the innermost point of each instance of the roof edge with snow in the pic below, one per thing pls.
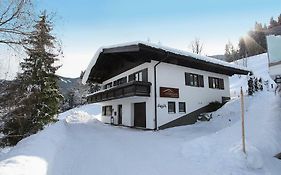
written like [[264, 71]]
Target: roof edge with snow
[[194, 60]]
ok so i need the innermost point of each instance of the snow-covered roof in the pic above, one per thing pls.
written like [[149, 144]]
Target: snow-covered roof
[[164, 48]]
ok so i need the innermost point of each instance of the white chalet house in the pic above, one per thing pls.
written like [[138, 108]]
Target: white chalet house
[[149, 86]]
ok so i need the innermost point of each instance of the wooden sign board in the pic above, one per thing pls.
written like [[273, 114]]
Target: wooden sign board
[[169, 92]]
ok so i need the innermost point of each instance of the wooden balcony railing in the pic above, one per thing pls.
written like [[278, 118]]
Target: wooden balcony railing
[[133, 88]]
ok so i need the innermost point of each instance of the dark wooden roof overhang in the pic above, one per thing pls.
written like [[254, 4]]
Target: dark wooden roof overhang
[[113, 61]]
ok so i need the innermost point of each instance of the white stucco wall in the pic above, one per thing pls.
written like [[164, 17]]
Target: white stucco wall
[[275, 70], [128, 110], [169, 75], [128, 103]]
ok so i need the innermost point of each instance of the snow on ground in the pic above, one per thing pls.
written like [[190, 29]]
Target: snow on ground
[[92, 109], [80, 144]]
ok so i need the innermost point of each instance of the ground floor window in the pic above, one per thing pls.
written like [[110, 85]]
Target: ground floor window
[[107, 110], [182, 107], [171, 107]]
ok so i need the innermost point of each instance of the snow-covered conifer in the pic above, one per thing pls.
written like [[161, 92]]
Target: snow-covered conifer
[[37, 100]]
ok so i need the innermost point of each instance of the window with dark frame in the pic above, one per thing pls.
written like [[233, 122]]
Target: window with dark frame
[[107, 110], [139, 76], [108, 85], [195, 80], [182, 107], [216, 83], [171, 107], [120, 81]]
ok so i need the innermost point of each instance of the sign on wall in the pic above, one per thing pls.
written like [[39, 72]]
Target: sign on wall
[[169, 92]]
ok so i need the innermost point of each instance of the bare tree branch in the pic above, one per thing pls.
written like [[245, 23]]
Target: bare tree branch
[[16, 19], [196, 46]]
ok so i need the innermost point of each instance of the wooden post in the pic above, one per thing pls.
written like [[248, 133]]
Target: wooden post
[[243, 126]]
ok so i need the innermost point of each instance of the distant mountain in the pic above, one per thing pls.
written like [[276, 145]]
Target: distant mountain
[[67, 85], [219, 57], [72, 90]]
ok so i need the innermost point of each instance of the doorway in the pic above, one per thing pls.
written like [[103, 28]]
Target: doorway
[[119, 114], [140, 115]]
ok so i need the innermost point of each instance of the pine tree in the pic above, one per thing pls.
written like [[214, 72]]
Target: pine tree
[[279, 19], [231, 53], [261, 84], [37, 96], [272, 23], [250, 86], [243, 53], [256, 87]]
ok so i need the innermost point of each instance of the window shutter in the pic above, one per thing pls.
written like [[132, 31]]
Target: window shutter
[[103, 110], [221, 84], [145, 75], [131, 77], [187, 79], [210, 82], [201, 81]]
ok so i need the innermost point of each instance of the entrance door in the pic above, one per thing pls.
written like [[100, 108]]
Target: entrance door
[[119, 114], [140, 115]]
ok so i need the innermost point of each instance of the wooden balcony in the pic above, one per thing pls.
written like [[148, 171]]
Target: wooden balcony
[[133, 88]]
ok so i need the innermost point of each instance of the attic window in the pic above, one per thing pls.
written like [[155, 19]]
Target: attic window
[[139, 76], [120, 81], [108, 85]]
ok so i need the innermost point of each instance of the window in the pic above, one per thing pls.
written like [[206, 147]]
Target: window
[[194, 80], [108, 85], [139, 76], [182, 107], [171, 107], [216, 83], [107, 110], [120, 81]]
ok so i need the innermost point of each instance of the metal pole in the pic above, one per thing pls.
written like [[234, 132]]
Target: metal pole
[[243, 125], [155, 90]]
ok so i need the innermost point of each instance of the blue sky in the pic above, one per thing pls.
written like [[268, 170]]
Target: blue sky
[[85, 25]]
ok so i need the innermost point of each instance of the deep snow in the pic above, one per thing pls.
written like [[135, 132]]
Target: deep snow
[[80, 144], [259, 65]]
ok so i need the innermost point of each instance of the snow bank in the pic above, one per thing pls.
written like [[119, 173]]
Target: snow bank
[[259, 66], [222, 150], [252, 159], [36, 154], [93, 109], [80, 144], [81, 117]]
